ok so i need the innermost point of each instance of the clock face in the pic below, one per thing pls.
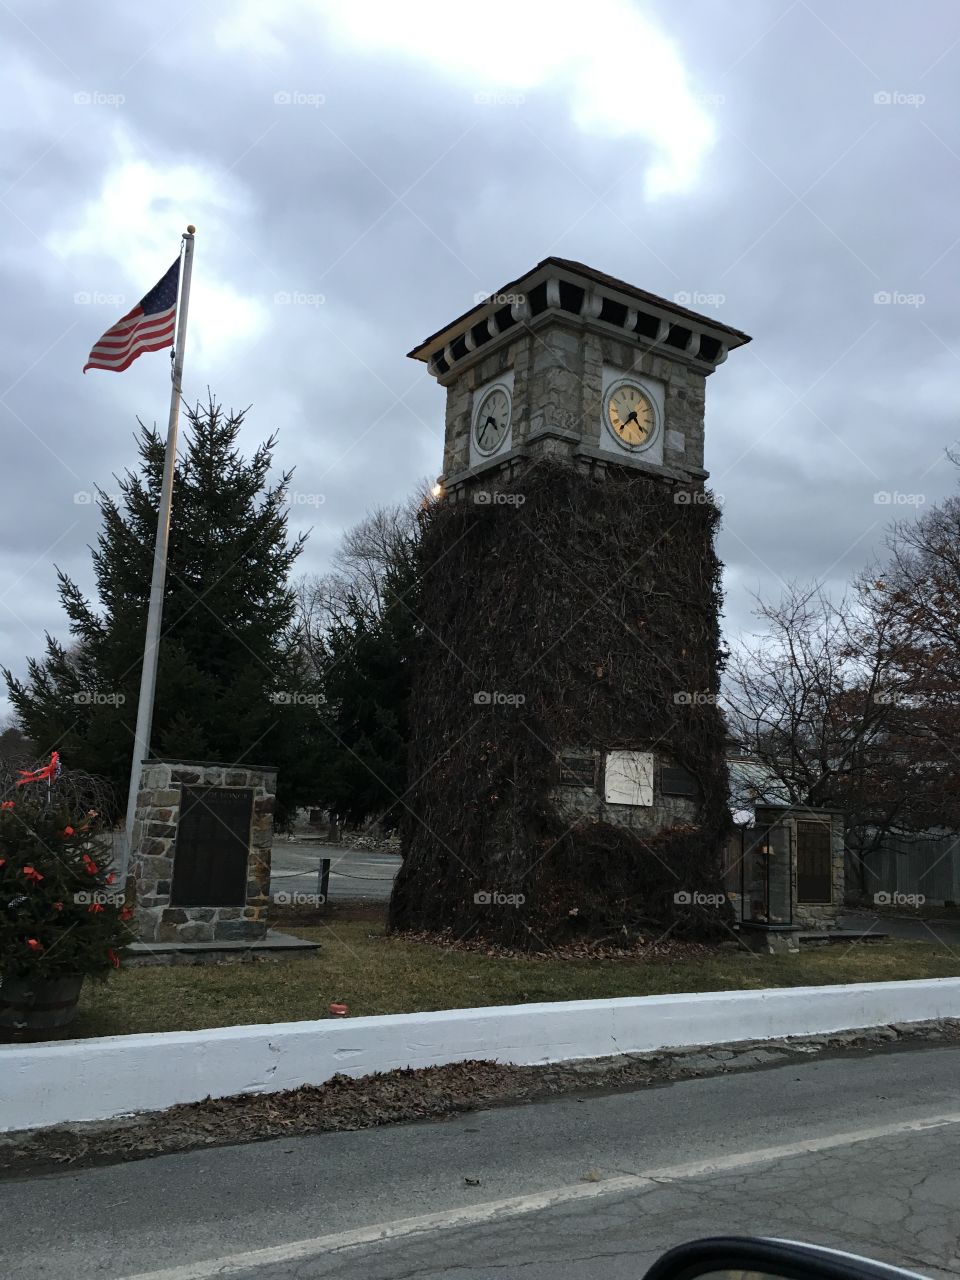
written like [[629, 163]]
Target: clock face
[[630, 414], [492, 421]]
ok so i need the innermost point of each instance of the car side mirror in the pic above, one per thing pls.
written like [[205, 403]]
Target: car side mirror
[[757, 1258]]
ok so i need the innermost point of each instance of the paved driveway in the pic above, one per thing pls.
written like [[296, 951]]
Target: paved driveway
[[354, 873], [858, 1151]]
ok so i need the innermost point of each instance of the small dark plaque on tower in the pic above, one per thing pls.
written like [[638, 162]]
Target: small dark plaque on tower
[[212, 847], [578, 771], [677, 782]]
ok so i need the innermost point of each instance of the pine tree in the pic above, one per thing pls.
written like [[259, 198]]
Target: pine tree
[[231, 684], [366, 673]]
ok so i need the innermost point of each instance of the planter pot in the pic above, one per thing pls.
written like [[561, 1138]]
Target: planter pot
[[38, 1004]]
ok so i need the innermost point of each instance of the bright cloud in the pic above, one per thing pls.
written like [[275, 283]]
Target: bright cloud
[[621, 75], [135, 222]]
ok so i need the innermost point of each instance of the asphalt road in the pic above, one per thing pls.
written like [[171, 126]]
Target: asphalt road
[[354, 873], [860, 1152]]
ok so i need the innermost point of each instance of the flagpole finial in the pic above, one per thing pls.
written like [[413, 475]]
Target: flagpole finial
[[191, 229]]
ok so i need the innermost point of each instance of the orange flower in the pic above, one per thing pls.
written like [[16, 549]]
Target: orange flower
[[34, 945], [90, 865], [69, 831], [95, 906], [125, 913], [32, 874], [58, 906], [113, 957], [8, 804], [110, 878]]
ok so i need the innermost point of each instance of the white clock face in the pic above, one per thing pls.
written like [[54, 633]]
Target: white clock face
[[630, 415], [492, 421]]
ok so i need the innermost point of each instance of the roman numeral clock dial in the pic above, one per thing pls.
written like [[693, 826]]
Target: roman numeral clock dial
[[492, 421], [630, 415]]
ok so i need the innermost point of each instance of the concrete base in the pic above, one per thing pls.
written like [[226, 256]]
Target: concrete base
[[824, 939], [275, 946], [96, 1079], [771, 939]]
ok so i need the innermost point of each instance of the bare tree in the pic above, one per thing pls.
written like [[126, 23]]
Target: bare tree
[[920, 591], [816, 704], [359, 568]]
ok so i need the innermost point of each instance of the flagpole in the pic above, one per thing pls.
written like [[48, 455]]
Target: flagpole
[[148, 677]]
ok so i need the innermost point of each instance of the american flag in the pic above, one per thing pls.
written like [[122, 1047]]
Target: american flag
[[148, 327]]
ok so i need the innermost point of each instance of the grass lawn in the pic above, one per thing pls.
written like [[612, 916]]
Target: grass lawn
[[376, 974]]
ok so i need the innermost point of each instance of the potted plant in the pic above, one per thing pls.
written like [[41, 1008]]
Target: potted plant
[[61, 917]]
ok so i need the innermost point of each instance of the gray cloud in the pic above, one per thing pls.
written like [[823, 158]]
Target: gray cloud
[[399, 196]]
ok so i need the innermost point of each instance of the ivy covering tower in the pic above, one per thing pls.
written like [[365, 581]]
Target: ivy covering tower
[[567, 753]]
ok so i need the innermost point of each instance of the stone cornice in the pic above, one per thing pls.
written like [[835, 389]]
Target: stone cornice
[[557, 289]]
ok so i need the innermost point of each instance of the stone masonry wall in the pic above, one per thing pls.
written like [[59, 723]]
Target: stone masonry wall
[[154, 852], [558, 367]]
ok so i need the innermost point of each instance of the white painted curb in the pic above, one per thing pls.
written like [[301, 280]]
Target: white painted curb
[[95, 1079]]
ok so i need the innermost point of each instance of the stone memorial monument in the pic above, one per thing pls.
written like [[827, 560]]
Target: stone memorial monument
[[200, 870]]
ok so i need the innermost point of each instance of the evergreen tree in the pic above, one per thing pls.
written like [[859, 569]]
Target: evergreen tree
[[232, 684], [366, 672], [59, 911]]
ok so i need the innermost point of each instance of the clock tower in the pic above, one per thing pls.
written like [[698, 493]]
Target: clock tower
[[569, 362], [567, 752]]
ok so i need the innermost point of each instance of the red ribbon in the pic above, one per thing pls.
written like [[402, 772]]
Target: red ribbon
[[46, 774]]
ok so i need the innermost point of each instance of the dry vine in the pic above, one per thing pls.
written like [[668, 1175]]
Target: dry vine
[[598, 602]]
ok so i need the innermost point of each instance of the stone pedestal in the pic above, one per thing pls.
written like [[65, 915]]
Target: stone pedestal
[[770, 939], [200, 867]]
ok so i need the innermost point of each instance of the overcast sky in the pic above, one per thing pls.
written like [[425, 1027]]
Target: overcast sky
[[379, 163]]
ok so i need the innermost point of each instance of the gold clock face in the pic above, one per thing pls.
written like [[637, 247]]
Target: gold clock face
[[630, 414], [492, 421]]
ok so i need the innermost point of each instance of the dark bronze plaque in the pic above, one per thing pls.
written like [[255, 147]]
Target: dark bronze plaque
[[677, 781], [577, 771], [212, 847], [814, 858]]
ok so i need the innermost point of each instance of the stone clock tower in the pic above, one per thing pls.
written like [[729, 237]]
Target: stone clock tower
[[567, 752], [568, 361]]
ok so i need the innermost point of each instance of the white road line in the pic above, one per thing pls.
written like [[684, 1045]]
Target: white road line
[[516, 1206]]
